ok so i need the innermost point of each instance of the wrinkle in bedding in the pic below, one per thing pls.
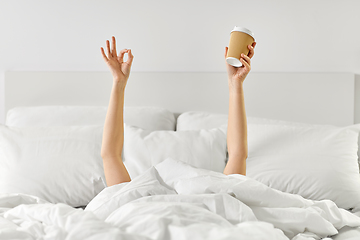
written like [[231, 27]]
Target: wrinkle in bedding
[[176, 201]]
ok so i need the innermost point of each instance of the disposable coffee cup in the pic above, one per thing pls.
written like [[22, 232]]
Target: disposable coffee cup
[[240, 38]]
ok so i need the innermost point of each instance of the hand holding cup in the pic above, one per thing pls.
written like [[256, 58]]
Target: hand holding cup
[[237, 75], [240, 39]]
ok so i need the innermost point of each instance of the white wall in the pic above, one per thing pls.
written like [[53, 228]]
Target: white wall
[[292, 36], [195, 91], [357, 100]]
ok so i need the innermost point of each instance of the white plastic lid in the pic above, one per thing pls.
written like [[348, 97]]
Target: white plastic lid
[[244, 30], [233, 62]]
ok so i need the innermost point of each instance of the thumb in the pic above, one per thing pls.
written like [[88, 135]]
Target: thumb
[[226, 50]]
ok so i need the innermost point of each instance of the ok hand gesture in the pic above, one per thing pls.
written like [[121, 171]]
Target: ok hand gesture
[[119, 69]]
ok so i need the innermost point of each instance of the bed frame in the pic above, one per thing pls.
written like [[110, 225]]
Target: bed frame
[[320, 98]]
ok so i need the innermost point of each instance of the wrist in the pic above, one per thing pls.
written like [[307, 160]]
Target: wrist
[[235, 86], [119, 84], [118, 77]]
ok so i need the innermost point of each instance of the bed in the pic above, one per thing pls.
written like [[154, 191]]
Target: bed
[[302, 178]]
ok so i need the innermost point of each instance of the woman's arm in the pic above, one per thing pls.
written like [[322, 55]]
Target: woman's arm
[[113, 135], [237, 123]]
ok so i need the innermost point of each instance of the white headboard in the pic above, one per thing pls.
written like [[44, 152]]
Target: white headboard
[[321, 98]]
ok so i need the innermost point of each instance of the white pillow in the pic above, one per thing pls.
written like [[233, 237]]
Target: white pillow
[[315, 162], [195, 120], [58, 164], [201, 148], [335, 157], [152, 118]]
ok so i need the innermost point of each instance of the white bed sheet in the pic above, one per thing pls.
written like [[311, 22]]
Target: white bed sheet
[[176, 201], [349, 233]]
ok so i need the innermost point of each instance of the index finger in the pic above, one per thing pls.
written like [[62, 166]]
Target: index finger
[[251, 48], [121, 55]]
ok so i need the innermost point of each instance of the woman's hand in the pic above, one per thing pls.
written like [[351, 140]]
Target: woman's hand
[[237, 75], [119, 69], [236, 137]]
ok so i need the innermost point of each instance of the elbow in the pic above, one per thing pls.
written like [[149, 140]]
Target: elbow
[[108, 153], [104, 153], [245, 156], [236, 165], [240, 158], [239, 155], [238, 150]]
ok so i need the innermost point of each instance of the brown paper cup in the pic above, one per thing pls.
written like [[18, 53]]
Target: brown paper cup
[[240, 38]]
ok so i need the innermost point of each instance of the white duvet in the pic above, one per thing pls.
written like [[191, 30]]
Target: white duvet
[[176, 201]]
